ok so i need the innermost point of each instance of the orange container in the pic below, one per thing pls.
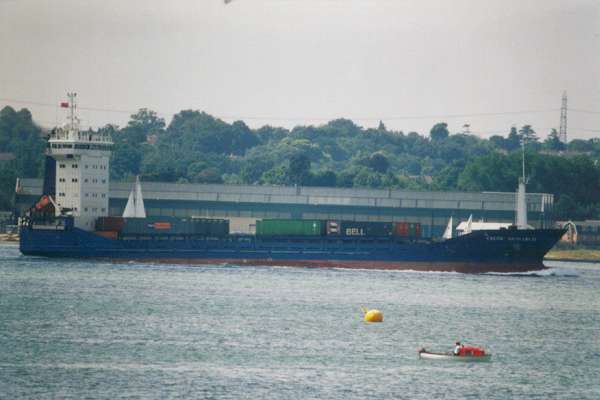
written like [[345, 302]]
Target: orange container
[[107, 234], [401, 228], [162, 225]]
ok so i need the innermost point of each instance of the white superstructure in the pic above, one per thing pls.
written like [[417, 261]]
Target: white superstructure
[[82, 170]]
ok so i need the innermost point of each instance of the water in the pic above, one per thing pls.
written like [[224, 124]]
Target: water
[[82, 329]]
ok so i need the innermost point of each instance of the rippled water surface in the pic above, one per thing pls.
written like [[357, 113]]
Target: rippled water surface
[[82, 329]]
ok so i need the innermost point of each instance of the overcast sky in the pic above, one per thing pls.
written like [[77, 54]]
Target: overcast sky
[[291, 62]]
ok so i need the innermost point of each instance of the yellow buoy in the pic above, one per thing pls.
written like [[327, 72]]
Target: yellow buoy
[[373, 315]]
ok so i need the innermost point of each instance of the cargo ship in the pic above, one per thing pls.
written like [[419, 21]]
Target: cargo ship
[[71, 220]]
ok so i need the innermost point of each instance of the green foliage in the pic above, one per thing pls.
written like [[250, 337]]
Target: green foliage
[[527, 134], [278, 175], [379, 162], [494, 172], [8, 178], [439, 131], [299, 170], [553, 142], [513, 141], [22, 139], [198, 148], [574, 181]]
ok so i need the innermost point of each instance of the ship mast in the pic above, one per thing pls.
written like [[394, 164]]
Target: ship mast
[[521, 210]]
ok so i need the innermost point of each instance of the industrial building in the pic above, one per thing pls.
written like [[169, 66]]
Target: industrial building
[[431, 209]]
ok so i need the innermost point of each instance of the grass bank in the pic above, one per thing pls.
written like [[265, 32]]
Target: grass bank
[[574, 255]]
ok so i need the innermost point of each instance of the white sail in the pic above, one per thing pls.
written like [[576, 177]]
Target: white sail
[[448, 231], [140, 211], [469, 224], [130, 207], [135, 203]]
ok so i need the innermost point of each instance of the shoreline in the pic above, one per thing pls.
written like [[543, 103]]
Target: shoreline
[[574, 255], [9, 238]]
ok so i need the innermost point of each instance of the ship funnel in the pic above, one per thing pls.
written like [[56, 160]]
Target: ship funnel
[[521, 206], [135, 204], [521, 209]]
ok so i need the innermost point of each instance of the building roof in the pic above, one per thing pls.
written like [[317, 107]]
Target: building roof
[[502, 201]]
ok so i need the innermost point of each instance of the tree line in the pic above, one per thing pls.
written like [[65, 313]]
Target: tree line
[[196, 147]]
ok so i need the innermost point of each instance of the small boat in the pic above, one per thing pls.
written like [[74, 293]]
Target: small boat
[[451, 357]]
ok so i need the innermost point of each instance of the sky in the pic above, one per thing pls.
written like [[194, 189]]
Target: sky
[[490, 64]]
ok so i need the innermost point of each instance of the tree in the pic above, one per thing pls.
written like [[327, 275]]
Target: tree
[[494, 172], [20, 136], [299, 169], [553, 142], [379, 162], [513, 141], [147, 120], [439, 131], [254, 168], [208, 175], [276, 176], [324, 178], [242, 138], [367, 178], [8, 177], [142, 125], [527, 134], [580, 146], [498, 141], [447, 178]]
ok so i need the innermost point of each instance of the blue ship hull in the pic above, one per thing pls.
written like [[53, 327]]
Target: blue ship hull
[[505, 250]]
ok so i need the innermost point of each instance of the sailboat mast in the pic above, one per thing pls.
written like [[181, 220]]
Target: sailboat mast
[[523, 158]]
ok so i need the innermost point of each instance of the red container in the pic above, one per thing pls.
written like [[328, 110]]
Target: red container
[[401, 229], [418, 229], [407, 229], [110, 224]]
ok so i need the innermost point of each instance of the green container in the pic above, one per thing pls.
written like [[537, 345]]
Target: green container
[[210, 227], [290, 227]]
